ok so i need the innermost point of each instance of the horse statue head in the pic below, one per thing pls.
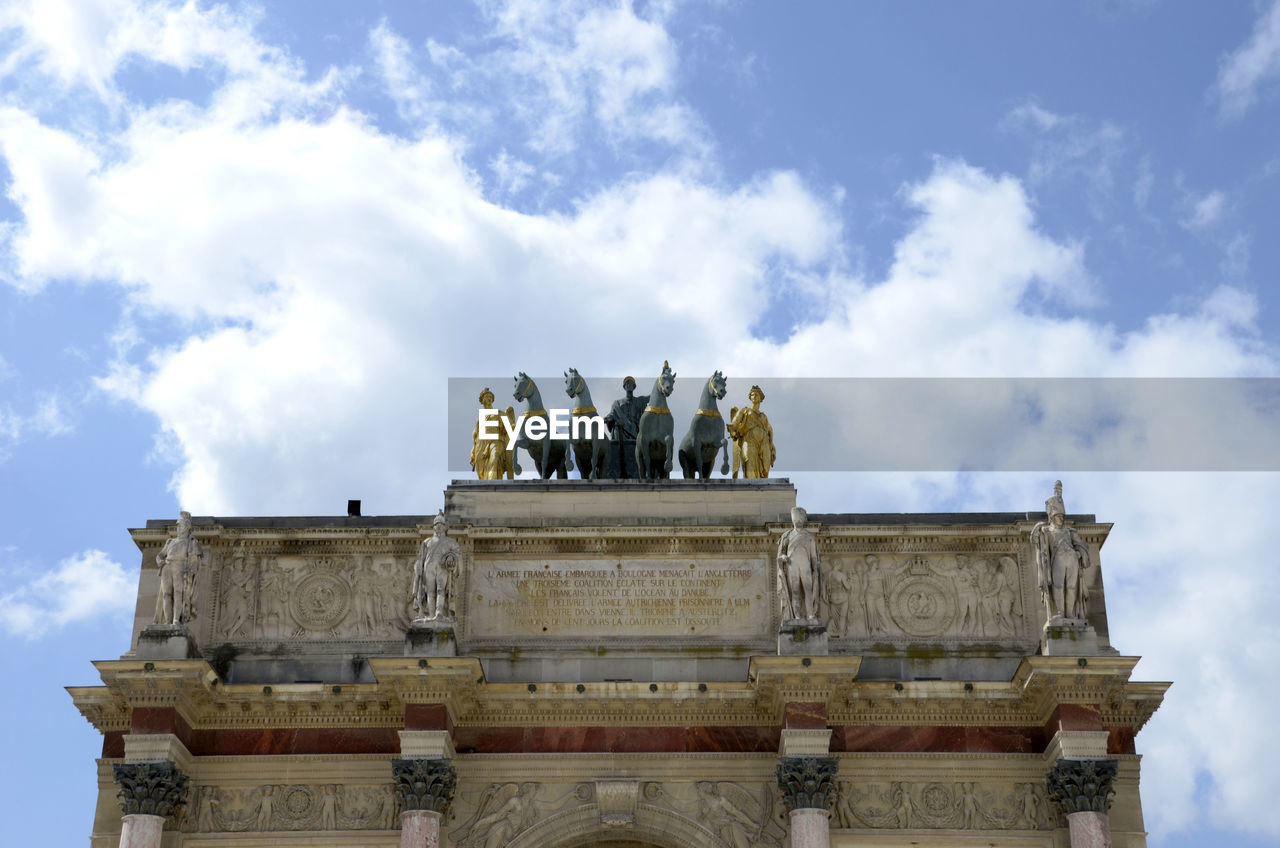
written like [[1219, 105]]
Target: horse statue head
[[717, 384], [573, 383], [524, 386], [666, 380]]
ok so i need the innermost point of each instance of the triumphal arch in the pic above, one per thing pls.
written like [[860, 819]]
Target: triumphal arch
[[621, 662]]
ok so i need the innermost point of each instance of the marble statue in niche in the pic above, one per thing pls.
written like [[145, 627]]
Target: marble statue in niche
[[178, 560]]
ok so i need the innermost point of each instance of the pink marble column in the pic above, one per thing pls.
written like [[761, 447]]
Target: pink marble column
[[141, 831], [420, 829], [1089, 830], [810, 828]]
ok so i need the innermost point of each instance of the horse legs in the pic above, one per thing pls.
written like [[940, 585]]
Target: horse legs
[[642, 456], [670, 442]]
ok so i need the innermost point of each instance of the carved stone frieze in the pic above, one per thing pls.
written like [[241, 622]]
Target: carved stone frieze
[[151, 788], [425, 784], [808, 782], [1082, 786], [965, 805], [293, 807]]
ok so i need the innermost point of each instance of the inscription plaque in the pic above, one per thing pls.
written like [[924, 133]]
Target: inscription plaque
[[581, 598]]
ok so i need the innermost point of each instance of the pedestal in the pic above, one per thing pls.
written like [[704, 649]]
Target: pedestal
[[802, 637], [1068, 637], [142, 831], [420, 829], [431, 639], [166, 642]]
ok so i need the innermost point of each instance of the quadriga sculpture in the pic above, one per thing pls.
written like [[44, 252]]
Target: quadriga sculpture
[[706, 433]]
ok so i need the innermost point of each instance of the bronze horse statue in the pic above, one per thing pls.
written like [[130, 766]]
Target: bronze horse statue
[[592, 451], [706, 433], [548, 454], [655, 441]]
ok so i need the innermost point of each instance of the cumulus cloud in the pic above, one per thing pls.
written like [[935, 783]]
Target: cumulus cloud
[[47, 416], [328, 275], [1205, 211], [82, 587], [1252, 66]]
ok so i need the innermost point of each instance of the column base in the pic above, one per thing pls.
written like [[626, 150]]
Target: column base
[[802, 637], [431, 639]]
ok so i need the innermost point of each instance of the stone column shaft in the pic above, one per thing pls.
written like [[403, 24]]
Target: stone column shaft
[[420, 829], [141, 831]]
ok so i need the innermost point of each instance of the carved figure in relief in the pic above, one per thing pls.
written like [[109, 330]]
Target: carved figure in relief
[[967, 593], [237, 600], [655, 434], [874, 601], [968, 807], [266, 805], [504, 810], [433, 571], [204, 815], [273, 598], [799, 569], [329, 808], [706, 435], [753, 437], [1006, 596], [725, 819], [1063, 563], [838, 583], [490, 457], [1032, 811], [903, 806], [178, 561], [364, 600]]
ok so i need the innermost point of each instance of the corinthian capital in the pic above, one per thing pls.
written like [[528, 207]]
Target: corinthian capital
[[808, 782], [153, 788], [424, 784], [1082, 786]]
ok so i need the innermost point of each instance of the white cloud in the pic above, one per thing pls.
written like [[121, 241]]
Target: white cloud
[[1205, 211], [1255, 63], [48, 417], [85, 586], [1070, 148], [409, 88]]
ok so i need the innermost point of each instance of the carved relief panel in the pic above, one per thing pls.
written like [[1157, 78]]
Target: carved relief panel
[[260, 597], [965, 805], [290, 807]]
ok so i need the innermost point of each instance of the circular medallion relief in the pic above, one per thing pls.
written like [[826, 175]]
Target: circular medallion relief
[[922, 606], [298, 801], [321, 601]]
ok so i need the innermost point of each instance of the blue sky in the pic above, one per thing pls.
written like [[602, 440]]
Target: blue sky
[[242, 248]]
